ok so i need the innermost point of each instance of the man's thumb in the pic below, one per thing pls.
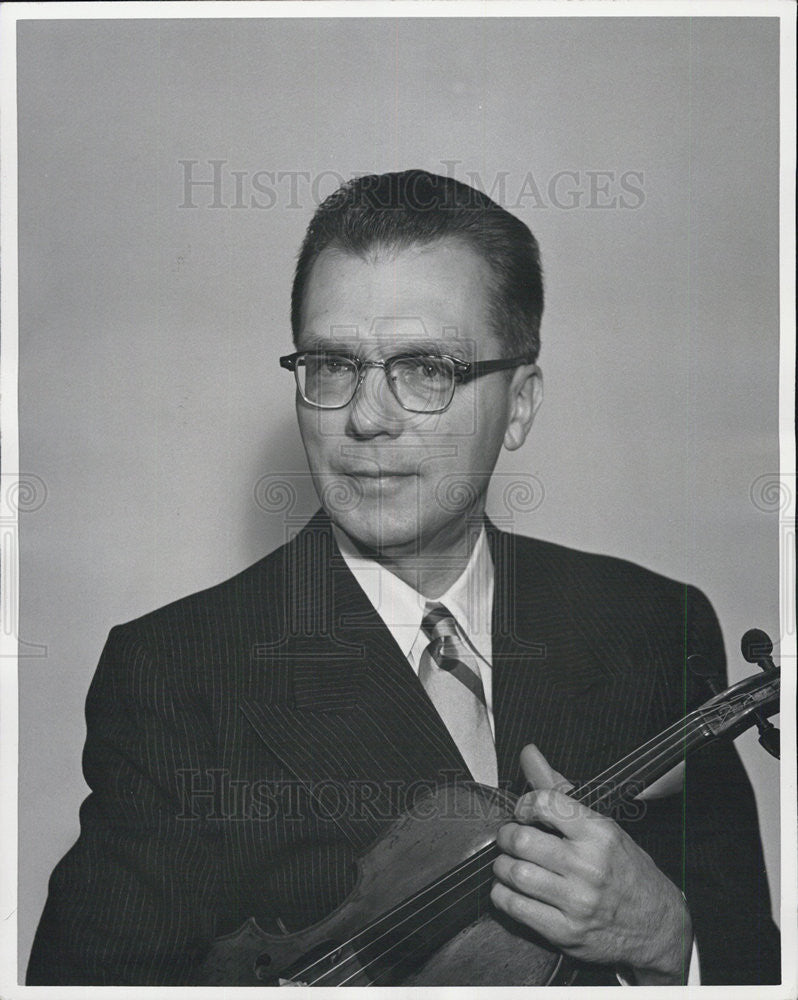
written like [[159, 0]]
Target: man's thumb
[[538, 771]]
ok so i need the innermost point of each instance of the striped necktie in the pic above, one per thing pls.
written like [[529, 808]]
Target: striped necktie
[[450, 675]]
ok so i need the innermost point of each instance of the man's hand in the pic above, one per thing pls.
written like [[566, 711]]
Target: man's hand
[[591, 891]]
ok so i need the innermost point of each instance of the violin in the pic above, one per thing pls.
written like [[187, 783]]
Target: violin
[[435, 925]]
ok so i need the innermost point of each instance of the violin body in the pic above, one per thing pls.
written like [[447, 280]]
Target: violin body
[[467, 943]]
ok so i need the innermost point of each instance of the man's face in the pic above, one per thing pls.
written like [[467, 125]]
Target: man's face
[[394, 481]]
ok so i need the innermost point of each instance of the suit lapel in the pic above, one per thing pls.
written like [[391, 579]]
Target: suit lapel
[[353, 722], [348, 712], [543, 661]]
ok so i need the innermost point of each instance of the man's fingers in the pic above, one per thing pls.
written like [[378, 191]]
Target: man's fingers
[[530, 879], [538, 771], [557, 811], [532, 844], [541, 917]]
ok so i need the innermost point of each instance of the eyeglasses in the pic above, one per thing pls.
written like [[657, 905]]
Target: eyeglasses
[[420, 383]]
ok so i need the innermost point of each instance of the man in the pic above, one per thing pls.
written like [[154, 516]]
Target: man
[[247, 744]]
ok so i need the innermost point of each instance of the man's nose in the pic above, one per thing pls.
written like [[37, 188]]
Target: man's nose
[[375, 410]]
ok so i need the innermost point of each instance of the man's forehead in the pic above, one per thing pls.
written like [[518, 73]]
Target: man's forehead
[[440, 281], [436, 294]]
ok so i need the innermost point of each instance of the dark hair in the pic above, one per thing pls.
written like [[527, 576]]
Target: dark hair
[[398, 210]]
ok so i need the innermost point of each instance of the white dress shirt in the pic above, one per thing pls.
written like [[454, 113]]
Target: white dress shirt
[[469, 599]]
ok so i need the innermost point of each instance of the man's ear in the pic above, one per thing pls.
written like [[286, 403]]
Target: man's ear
[[526, 395]]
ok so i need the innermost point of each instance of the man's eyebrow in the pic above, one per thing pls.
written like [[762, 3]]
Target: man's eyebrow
[[420, 347], [384, 348]]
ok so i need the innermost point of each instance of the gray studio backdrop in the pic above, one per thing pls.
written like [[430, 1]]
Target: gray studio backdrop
[[156, 428]]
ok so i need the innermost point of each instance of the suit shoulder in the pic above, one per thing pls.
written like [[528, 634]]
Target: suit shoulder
[[616, 599], [251, 596], [613, 577]]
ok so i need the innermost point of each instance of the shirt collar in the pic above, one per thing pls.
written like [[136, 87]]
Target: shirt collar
[[401, 607]]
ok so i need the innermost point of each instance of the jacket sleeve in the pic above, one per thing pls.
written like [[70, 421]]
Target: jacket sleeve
[[707, 840], [136, 899]]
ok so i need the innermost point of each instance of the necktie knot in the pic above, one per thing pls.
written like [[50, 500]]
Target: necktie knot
[[438, 622], [440, 628]]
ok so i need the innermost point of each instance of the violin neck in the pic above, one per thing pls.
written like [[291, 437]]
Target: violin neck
[[643, 766]]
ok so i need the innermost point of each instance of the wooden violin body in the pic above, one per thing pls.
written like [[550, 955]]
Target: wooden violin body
[[444, 944]]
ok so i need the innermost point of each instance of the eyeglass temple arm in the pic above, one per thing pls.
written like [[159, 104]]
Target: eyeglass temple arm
[[473, 369]]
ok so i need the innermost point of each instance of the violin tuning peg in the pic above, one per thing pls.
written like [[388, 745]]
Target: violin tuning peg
[[701, 667], [756, 647], [770, 739]]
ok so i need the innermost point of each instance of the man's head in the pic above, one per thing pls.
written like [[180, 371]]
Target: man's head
[[412, 264], [391, 212]]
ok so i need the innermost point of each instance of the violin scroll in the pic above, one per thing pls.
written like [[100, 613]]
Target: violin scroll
[[754, 698], [756, 647]]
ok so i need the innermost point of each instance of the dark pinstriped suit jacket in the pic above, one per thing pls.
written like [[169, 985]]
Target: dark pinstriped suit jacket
[[246, 743]]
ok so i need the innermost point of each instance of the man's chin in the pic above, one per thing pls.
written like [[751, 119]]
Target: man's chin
[[386, 537]]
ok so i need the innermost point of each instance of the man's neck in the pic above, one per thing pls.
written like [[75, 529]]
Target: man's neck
[[432, 570]]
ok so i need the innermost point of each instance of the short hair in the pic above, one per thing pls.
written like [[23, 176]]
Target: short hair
[[395, 211]]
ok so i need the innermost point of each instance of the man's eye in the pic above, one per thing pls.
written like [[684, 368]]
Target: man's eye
[[420, 370], [431, 368], [335, 366]]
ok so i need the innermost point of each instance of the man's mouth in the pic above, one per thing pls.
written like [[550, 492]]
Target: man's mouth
[[374, 473]]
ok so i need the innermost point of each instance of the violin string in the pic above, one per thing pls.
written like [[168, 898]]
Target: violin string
[[414, 898], [440, 891], [692, 725], [433, 888], [652, 745], [594, 797], [439, 884], [395, 945], [364, 967], [688, 732], [681, 730], [637, 759], [655, 756]]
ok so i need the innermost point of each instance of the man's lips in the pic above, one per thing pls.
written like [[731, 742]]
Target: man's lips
[[372, 473]]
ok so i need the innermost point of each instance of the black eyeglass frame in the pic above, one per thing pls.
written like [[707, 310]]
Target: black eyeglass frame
[[464, 371]]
